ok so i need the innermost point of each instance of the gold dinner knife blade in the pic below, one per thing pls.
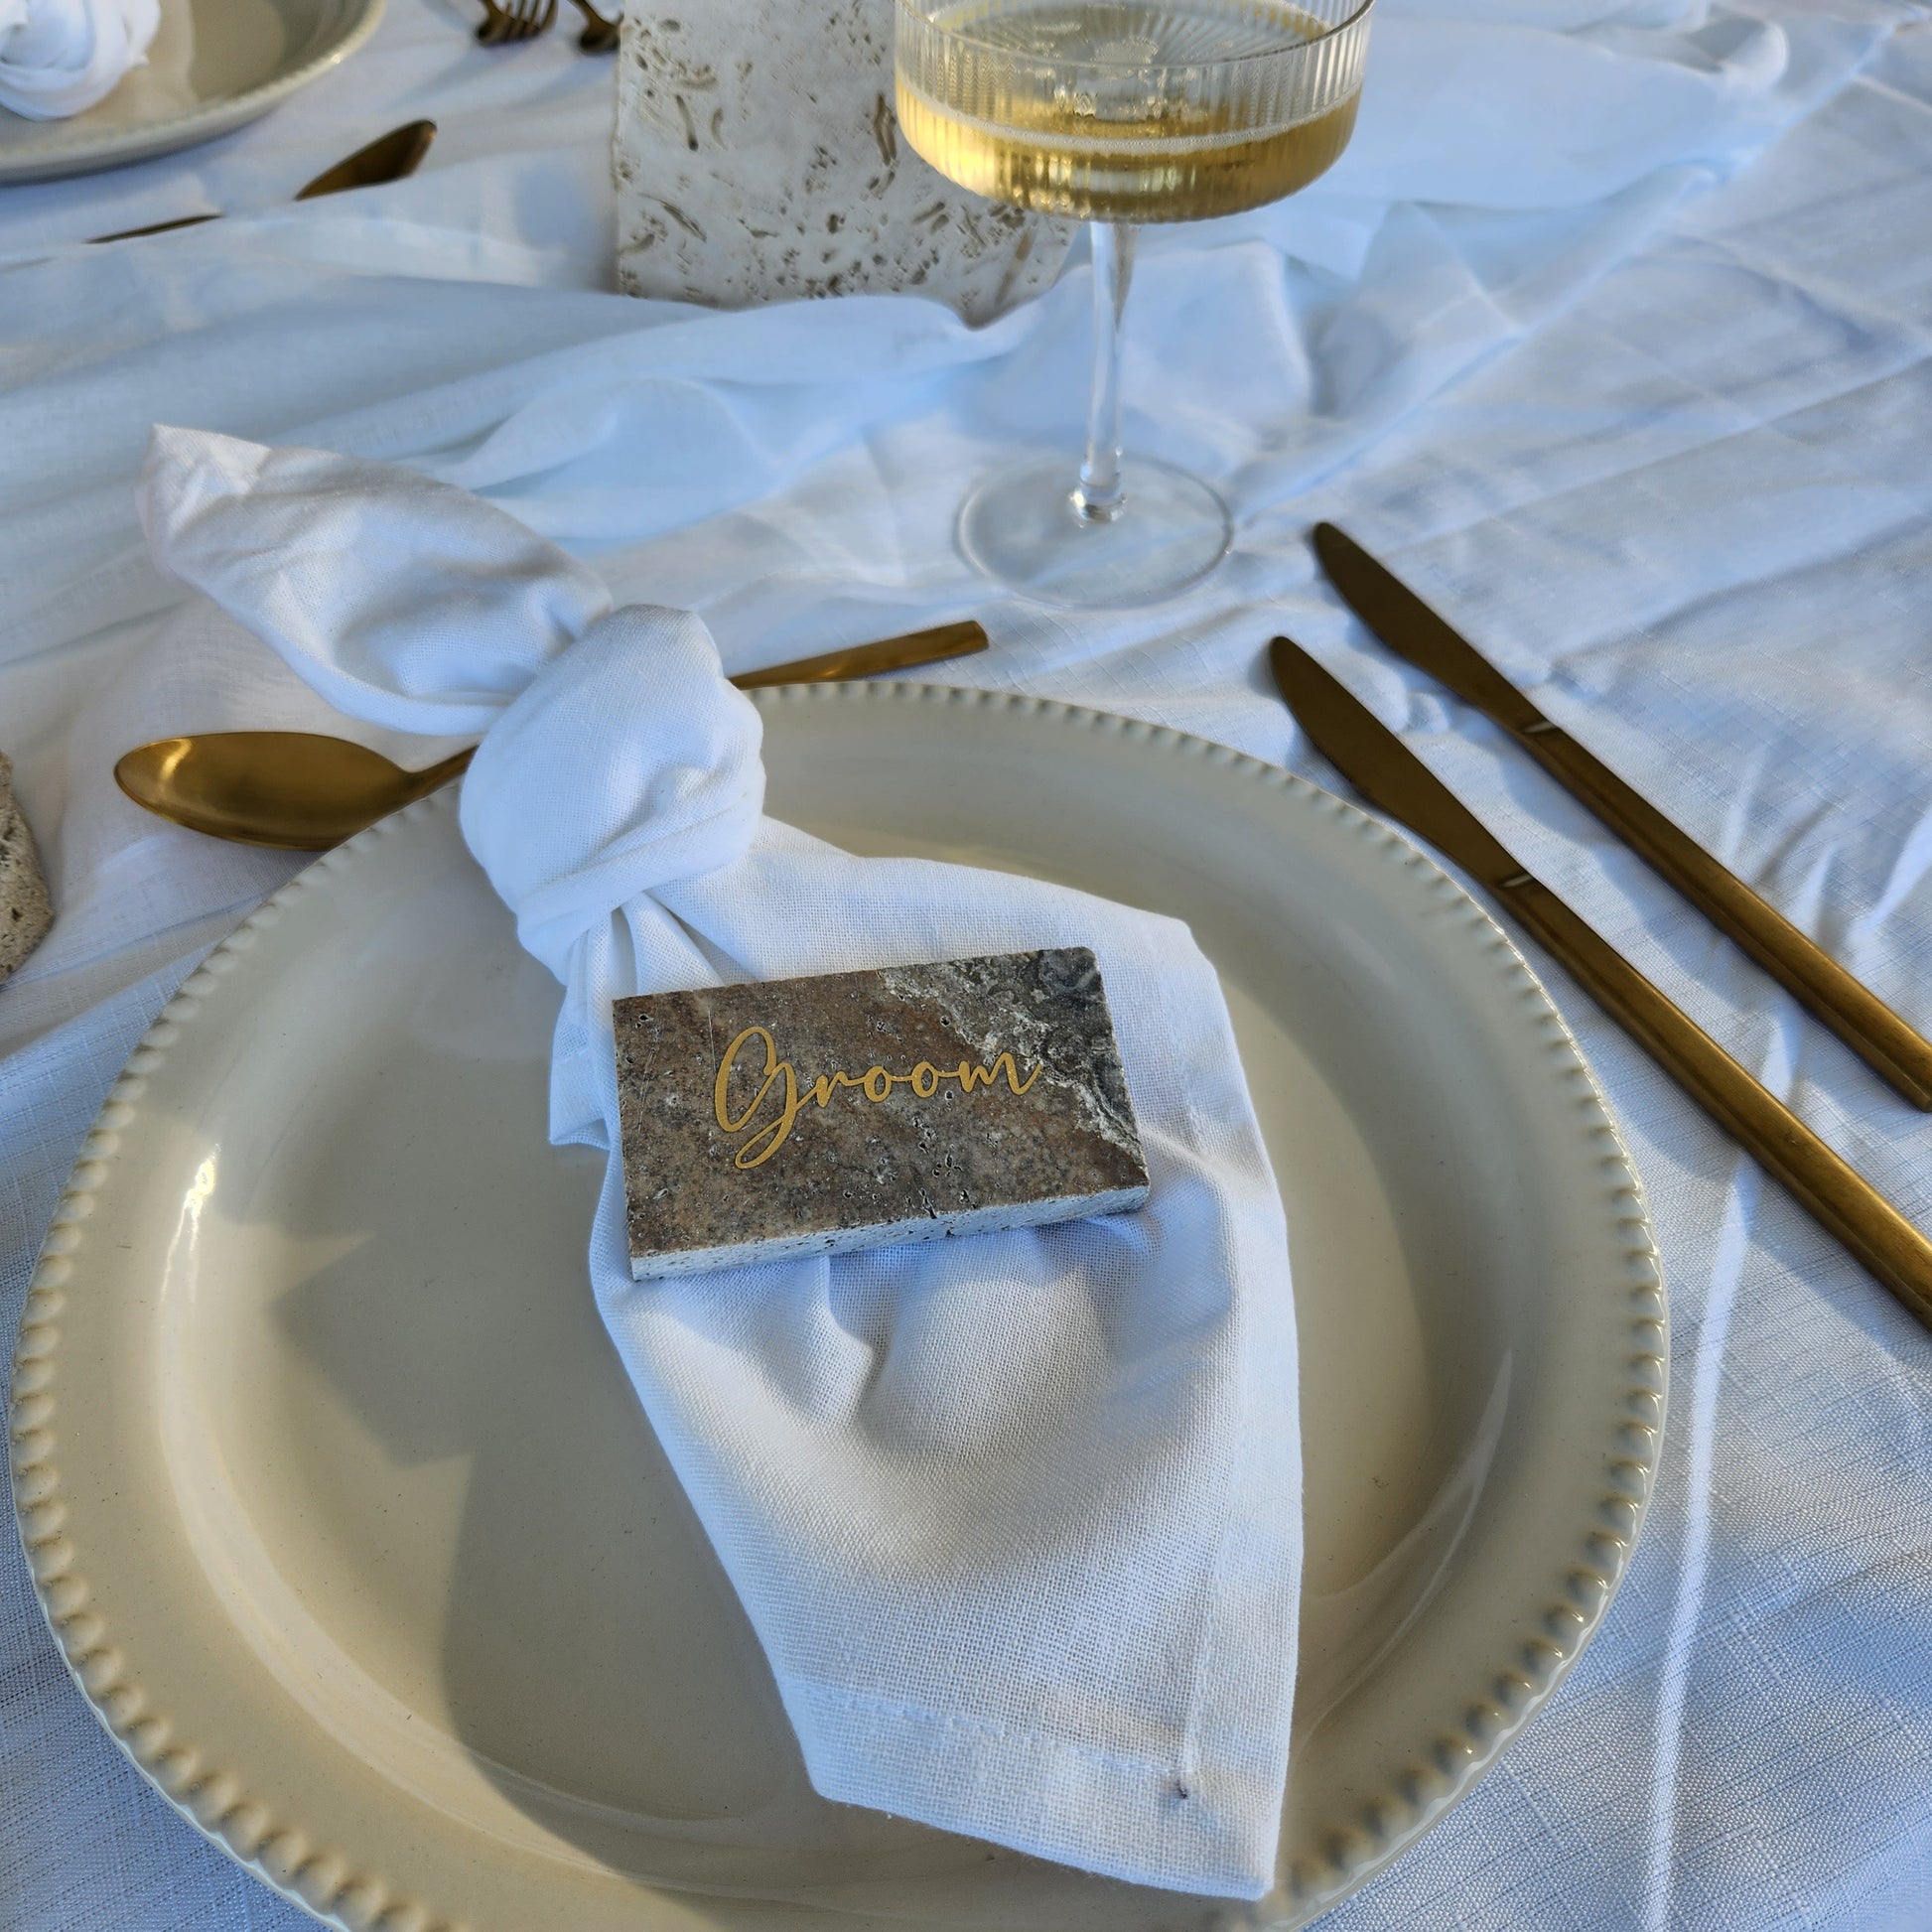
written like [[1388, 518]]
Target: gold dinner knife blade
[[1389, 775], [395, 156], [1886, 1042]]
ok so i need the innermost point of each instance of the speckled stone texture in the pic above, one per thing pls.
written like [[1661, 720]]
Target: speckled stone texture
[[24, 910], [859, 1109], [756, 158]]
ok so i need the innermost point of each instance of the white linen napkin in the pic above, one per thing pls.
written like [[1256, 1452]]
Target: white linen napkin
[[59, 56], [1017, 1518]]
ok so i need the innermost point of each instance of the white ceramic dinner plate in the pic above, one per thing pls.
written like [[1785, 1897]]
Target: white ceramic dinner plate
[[345, 1514], [215, 65]]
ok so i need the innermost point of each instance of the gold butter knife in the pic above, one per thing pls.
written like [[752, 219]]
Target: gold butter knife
[[389, 157], [1886, 1042], [1392, 778]]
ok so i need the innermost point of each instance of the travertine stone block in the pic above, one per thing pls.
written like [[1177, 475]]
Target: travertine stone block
[[24, 910], [856, 1109], [758, 159]]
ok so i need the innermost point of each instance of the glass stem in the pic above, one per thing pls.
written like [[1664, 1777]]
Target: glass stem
[[1100, 498]]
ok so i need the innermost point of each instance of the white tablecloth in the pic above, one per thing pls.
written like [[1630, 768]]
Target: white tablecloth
[[1676, 474]]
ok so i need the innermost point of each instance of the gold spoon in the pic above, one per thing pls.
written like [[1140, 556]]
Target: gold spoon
[[302, 791]]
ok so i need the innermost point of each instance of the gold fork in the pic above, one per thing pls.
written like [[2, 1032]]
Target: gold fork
[[600, 36], [518, 19]]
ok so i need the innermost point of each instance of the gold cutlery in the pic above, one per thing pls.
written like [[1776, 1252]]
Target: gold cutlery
[[963, 639], [1394, 780], [600, 36], [395, 156], [509, 21], [1887, 1044], [304, 791]]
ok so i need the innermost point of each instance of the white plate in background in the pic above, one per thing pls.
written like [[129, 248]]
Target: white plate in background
[[214, 66]]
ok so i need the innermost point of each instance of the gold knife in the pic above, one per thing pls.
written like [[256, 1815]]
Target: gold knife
[[1887, 1044], [1392, 778], [389, 157]]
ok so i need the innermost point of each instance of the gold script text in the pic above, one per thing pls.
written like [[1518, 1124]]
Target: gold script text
[[780, 1083]]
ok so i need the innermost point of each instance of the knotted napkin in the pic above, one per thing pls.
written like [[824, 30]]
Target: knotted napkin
[[59, 56], [1017, 1518]]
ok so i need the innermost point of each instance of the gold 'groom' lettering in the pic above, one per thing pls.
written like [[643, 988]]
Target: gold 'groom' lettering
[[875, 1084]]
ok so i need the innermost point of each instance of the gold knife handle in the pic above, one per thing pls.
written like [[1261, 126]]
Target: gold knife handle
[[1840, 1199], [1891, 1047]]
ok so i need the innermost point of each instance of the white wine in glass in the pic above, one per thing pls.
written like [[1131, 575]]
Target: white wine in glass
[[1117, 112]]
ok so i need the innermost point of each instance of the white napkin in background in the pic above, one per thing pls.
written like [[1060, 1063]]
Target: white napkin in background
[[1015, 1518], [59, 56], [1515, 106], [1489, 106]]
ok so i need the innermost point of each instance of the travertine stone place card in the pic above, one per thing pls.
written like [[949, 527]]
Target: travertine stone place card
[[813, 1116]]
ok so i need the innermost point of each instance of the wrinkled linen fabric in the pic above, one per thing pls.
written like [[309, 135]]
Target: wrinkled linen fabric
[[1662, 455], [1017, 1518], [1514, 107], [59, 56]]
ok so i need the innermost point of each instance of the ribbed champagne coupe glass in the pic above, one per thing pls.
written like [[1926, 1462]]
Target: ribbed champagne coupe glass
[[1117, 112]]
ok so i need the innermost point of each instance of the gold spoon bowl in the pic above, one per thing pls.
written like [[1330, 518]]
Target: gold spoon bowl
[[301, 791]]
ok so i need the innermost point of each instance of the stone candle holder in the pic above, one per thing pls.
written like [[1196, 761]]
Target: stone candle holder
[[25, 909], [758, 159]]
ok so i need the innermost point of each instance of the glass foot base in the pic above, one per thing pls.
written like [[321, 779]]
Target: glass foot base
[[1021, 528]]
